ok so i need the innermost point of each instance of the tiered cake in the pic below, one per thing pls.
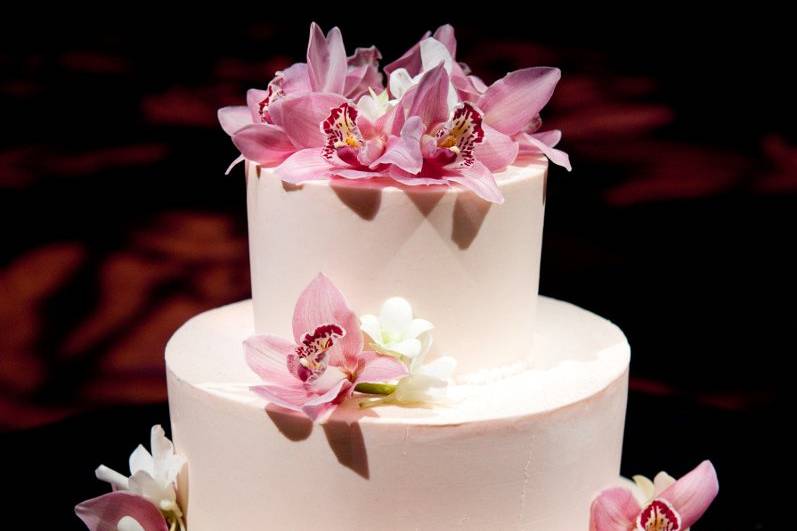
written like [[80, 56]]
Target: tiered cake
[[531, 426], [534, 432], [396, 368]]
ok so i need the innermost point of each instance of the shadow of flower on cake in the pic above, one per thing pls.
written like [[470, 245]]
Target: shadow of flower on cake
[[469, 214], [345, 438], [362, 199]]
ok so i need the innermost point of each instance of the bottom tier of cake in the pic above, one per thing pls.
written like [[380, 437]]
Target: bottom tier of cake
[[526, 451]]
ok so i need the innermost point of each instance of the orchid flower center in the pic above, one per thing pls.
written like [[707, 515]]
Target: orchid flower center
[[340, 130], [658, 515], [461, 133], [310, 360]]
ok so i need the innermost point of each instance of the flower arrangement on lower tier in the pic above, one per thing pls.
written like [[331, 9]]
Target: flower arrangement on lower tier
[[433, 124], [144, 501], [334, 355], [663, 504]]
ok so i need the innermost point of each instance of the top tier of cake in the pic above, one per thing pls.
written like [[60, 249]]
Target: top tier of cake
[[467, 265]]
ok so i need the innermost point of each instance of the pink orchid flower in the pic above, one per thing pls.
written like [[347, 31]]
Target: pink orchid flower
[[676, 508], [431, 146], [265, 133], [120, 511], [325, 361], [511, 105]]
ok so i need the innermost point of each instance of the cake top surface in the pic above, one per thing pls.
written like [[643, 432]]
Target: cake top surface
[[577, 354], [427, 121]]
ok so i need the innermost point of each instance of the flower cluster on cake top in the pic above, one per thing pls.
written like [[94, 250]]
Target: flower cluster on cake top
[[433, 123], [334, 355]]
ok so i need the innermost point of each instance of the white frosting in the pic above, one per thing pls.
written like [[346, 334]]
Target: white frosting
[[467, 265], [525, 452]]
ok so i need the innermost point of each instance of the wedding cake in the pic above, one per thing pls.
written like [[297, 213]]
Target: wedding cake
[[395, 367]]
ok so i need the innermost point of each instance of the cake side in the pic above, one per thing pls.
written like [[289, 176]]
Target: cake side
[[527, 452], [467, 265]]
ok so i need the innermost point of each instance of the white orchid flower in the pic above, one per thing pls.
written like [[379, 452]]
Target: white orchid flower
[[153, 476], [433, 52], [396, 332]]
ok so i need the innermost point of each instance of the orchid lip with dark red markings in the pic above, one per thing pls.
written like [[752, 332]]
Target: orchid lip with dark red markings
[[310, 360], [659, 515], [436, 124]]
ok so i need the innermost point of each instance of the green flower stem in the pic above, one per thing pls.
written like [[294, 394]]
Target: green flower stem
[[375, 388]]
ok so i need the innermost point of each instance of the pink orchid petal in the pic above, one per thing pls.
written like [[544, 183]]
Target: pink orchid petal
[[330, 395], [531, 146], [263, 143], [104, 512], [411, 60], [304, 165], [352, 174], [693, 493], [254, 97], [377, 368], [326, 60], [480, 181], [322, 303], [409, 179], [290, 397], [478, 84], [363, 73], [300, 116], [295, 80], [496, 150], [429, 100], [234, 118], [267, 356], [404, 151], [615, 509], [445, 34], [512, 102]]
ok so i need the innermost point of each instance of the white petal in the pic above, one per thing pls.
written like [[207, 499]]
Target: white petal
[[434, 52], [646, 488], [409, 347], [442, 368], [418, 327], [661, 482], [399, 82], [119, 481], [148, 487], [396, 316], [166, 463], [141, 460], [370, 325], [128, 523]]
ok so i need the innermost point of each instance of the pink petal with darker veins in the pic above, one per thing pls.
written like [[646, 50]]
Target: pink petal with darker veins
[[615, 509], [378, 368], [301, 116], [496, 150], [429, 100], [234, 118], [512, 102], [267, 356], [104, 512], [478, 179], [265, 144], [531, 146], [326, 60], [693, 493], [404, 151], [305, 165]]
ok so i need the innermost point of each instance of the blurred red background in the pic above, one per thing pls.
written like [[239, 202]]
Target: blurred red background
[[677, 222]]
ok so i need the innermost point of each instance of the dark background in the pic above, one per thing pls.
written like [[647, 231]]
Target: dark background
[[677, 222]]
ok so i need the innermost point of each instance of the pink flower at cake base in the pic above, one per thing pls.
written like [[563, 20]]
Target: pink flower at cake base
[[325, 361], [676, 508], [257, 130], [120, 511]]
